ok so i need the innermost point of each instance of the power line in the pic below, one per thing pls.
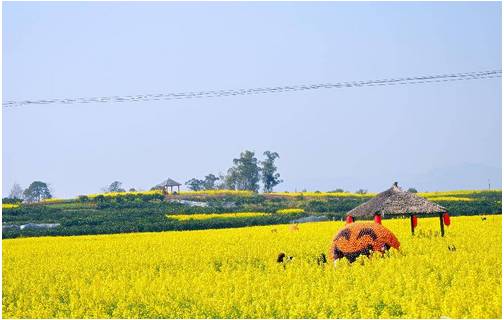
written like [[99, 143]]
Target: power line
[[235, 92]]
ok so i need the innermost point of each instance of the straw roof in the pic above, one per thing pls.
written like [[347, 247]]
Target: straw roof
[[169, 183], [395, 201]]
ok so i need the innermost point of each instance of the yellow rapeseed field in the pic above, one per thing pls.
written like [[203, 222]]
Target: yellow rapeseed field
[[446, 198], [455, 195], [207, 216], [241, 193], [9, 205], [233, 273], [324, 194], [115, 194], [290, 211]]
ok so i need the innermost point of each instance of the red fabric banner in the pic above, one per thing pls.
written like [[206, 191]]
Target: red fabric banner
[[446, 219]]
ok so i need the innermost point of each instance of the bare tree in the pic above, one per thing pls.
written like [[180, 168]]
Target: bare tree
[[16, 192]]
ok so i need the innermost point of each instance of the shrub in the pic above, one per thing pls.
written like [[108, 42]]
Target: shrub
[[11, 200]]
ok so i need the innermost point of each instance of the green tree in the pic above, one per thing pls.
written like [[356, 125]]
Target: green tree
[[115, 186], [269, 175], [37, 191], [195, 184], [244, 175], [230, 180], [209, 183], [412, 190]]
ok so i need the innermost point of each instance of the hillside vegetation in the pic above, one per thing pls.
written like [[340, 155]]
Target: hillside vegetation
[[153, 211]]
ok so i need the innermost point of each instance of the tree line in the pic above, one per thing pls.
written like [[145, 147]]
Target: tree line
[[246, 173], [36, 191]]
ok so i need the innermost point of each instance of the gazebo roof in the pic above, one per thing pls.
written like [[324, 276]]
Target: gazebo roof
[[169, 183], [395, 201]]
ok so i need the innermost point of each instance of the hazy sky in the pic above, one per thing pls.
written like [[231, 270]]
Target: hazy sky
[[431, 136]]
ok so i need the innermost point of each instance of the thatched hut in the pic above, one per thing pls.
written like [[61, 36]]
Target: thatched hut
[[396, 202], [169, 183]]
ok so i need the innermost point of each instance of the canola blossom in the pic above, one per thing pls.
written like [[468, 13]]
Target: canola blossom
[[457, 195], [206, 216], [9, 205], [233, 273], [290, 211], [323, 194], [242, 193], [115, 194], [445, 198], [454, 193]]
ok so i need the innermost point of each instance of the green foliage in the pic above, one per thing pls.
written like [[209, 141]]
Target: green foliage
[[115, 186], [11, 200], [460, 208], [195, 184], [139, 213], [338, 205], [76, 205], [118, 220], [37, 191], [207, 184], [269, 175], [244, 175]]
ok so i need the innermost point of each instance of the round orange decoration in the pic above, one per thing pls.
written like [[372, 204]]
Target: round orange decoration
[[362, 238]]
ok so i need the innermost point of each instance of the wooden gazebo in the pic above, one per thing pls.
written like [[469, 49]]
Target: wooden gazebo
[[169, 183], [396, 202]]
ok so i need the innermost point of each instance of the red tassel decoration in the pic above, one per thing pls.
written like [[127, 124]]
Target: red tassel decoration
[[415, 221], [377, 218], [446, 219], [349, 219]]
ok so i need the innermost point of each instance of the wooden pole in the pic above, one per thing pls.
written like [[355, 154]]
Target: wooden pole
[[441, 224], [412, 226]]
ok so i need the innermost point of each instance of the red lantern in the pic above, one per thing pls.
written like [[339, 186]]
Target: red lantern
[[377, 218], [446, 219], [349, 219], [415, 221]]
